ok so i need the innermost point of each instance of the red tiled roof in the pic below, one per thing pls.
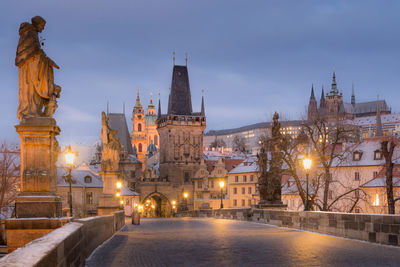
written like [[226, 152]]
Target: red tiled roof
[[229, 164]]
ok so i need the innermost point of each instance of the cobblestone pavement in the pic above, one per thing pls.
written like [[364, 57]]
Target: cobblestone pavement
[[214, 242]]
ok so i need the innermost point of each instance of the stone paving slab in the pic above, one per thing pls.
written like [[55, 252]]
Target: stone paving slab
[[217, 242]]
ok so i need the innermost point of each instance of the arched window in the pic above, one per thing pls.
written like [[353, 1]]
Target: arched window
[[140, 146], [156, 140], [139, 127]]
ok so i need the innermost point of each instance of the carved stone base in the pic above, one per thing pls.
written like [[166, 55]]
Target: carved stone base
[[40, 205], [23, 231]]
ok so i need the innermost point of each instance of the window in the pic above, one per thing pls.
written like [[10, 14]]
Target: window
[[140, 147], [249, 190], [244, 178], [219, 172], [212, 184], [243, 190], [375, 199], [243, 202], [88, 179], [356, 176], [330, 194], [375, 174], [235, 202], [236, 179], [89, 197], [199, 184], [357, 210], [357, 193], [187, 177], [202, 172], [377, 155], [356, 156], [139, 127], [251, 178], [156, 140], [249, 202], [235, 190]]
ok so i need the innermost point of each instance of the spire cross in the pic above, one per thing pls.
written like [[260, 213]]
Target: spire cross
[[186, 58], [173, 58]]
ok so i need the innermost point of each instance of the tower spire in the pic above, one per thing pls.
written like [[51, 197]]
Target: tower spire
[[138, 99], [159, 105], [312, 92], [322, 103], [334, 90], [353, 96], [202, 103], [378, 119]]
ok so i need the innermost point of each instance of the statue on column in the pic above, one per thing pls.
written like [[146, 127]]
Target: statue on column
[[111, 146], [269, 181], [37, 91]]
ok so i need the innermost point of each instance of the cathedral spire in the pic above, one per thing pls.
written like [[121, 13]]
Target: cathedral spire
[[159, 105], [334, 90], [353, 96], [202, 103], [378, 119], [322, 103], [312, 106], [312, 92]]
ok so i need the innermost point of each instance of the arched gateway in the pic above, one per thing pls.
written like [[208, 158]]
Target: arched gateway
[[156, 204]]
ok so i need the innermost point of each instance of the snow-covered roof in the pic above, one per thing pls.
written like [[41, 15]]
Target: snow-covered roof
[[366, 148], [78, 177], [381, 182], [371, 120], [125, 191], [245, 167]]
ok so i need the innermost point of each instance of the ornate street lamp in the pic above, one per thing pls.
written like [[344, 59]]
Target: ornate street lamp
[[70, 159], [307, 166], [221, 185], [185, 196]]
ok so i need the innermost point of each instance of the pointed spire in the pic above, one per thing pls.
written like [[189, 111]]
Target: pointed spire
[[334, 90], [159, 105], [312, 92], [202, 103], [353, 96], [173, 57], [186, 58], [322, 103], [138, 99], [378, 119], [151, 105]]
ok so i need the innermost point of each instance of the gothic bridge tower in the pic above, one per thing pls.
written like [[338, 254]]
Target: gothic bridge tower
[[181, 134]]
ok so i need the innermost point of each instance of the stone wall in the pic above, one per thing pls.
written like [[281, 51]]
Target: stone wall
[[69, 245], [384, 229]]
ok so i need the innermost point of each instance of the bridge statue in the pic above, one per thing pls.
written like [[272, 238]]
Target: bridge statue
[[37, 91]]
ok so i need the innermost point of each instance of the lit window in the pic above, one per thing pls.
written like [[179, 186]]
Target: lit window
[[375, 200], [89, 197], [356, 156]]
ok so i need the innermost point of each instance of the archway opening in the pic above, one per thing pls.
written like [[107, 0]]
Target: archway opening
[[156, 205]]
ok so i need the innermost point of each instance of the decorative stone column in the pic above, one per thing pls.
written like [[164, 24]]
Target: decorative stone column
[[108, 202]]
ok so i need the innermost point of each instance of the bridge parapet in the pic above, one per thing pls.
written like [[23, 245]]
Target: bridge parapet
[[69, 245], [378, 228]]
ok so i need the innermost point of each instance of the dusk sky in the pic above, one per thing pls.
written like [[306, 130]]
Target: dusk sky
[[251, 57]]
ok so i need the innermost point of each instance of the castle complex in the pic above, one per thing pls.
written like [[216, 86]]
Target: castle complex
[[333, 108]]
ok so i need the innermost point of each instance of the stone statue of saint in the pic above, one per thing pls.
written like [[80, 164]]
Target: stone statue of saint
[[37, 91], [111, 146]]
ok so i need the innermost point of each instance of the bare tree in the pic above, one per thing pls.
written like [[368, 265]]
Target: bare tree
[[239, 144], [217, 143], [9, 173], [388, 154]]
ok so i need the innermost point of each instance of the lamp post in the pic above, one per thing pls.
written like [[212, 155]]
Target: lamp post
[[185, 196], [69, 159], [221, 185], [307, 166]]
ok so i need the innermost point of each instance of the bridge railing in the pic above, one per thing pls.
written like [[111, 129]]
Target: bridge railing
[[69, 245], [378, 228]]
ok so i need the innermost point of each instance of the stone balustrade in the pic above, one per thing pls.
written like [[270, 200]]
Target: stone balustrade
[[69, 245], [384, 229]]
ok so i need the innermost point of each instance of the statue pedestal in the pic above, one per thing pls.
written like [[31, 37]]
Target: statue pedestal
[[108, 202], [38, 209]]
